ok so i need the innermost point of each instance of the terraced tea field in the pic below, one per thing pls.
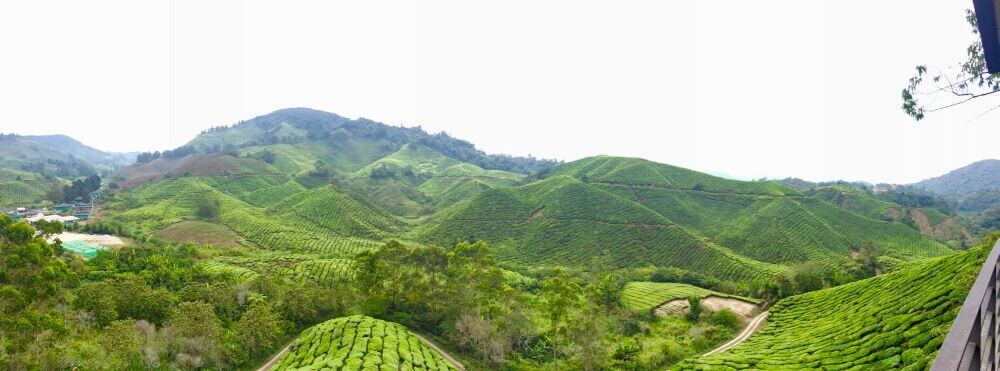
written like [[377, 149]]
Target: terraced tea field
[[295, 267], [655, 214], [360, 342], [562, 221], [20, 193], [646, 296], [894, 321]]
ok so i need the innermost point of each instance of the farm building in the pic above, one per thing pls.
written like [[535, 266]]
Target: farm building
[[52, 218], [63, 207]]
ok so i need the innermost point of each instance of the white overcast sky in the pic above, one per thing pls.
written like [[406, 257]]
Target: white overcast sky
[[743, 88]]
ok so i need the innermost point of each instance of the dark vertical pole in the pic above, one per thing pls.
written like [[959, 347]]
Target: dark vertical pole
[[987, 19]]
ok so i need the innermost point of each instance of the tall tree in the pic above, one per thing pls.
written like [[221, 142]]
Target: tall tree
[[560, 294]]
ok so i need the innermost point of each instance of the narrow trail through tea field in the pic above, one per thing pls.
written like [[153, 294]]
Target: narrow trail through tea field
[[749, 330]]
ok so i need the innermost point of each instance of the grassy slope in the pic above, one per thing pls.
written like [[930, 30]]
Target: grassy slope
[[646, 296], [200, 233], [929, 222], [640, 212], [359, 342], [425, 181], [322, 220], [761, 220], [562, 221], [897, 320]]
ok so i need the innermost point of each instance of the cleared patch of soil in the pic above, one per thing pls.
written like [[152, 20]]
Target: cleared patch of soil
[[893, 213], [199, 233], [101, 239], [923, 224], [711, 303]]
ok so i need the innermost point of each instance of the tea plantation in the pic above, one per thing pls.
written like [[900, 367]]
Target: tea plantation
[[646, 296], [641, 213], [360, 342], [563, 221], [894, 321]]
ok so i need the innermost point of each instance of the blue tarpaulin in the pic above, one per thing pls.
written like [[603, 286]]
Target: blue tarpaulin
[[986, 19]]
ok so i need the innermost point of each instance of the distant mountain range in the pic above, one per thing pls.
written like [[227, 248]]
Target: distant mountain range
[[23, 151], [31, 164], [978, 176]]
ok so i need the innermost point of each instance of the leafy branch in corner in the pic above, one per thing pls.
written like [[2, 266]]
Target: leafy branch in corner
[[971, 81]]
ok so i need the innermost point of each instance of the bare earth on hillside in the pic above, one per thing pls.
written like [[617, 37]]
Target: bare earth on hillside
[[711, 303], [101, 239], [199, 233]]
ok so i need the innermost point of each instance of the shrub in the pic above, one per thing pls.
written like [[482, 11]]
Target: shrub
[[726, 318]]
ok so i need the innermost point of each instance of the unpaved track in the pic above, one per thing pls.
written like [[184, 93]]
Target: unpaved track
[[274, 360], [267, 366], [440, 351], [749, 330]]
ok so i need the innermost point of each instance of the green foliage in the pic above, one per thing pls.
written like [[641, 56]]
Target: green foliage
[[33, 282], [359, 342], [258, 331], [209, 210], [123, 344], [123, 298], [694, 313], [19, 233], [865, 324], [725, 318]]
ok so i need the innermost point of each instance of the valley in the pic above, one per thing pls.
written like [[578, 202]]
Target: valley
[[356, 242]]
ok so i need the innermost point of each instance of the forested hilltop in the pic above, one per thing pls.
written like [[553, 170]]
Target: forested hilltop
[[362, 245]]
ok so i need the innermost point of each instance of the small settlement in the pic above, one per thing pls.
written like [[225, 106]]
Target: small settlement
[[78, 210]]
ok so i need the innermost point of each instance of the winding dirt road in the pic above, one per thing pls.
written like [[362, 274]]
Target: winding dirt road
[[749, 330]]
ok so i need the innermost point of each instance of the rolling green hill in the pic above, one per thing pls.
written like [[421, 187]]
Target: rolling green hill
[[31, 165], [928, 221], [563, 221], [346, 144], [894, 321], [640, 212], [270, 212], [977, 176], [56, 155], [359, 342]]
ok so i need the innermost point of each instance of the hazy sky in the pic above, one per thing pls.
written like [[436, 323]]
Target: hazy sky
[[746, 88]]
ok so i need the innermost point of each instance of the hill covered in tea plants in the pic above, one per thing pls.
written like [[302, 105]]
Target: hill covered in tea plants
[[929, 221], [894, 321], [359, 342], [639, 212]]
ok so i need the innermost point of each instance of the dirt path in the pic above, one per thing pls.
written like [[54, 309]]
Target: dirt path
[[749, 330], [267, 366], [440, 351], [274, 360]]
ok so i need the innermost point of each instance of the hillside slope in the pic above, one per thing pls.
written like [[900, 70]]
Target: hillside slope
[[978, 176], [360, 342], [348, 144], [563, 221], [894, 321], [928, 221], [640, 212]]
